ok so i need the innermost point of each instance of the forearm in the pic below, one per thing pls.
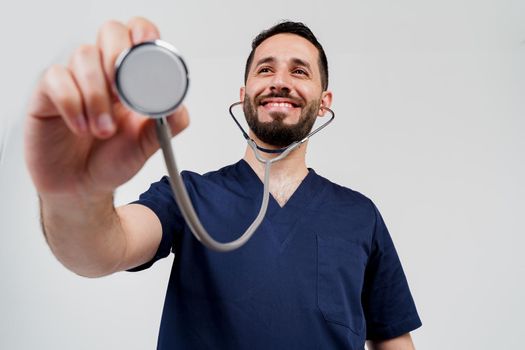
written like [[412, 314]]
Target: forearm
[[84, 234]]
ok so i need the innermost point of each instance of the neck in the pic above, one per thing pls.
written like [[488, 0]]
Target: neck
[[285, 175]]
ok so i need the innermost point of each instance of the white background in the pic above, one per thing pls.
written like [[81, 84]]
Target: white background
[[430, 103]]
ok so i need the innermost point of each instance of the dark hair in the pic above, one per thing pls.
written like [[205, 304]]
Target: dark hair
[[296, 28]]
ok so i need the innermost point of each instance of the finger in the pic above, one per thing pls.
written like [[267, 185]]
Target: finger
[[113, 38], [177, 122], [142, 30], [58, 95], [86, 66]]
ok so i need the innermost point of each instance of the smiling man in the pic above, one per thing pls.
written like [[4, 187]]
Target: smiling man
[[321, 272]]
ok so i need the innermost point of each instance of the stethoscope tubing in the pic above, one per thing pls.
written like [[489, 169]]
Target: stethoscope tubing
[[181, 195], [183, 199]]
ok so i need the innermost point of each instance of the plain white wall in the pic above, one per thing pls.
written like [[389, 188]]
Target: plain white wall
[[429, 97]]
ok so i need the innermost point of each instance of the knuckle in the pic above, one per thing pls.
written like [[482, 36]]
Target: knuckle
[[55, 80], [92, 75], [70, 108], [95, 100], [53, 72], [143, 29], [66, 101], [142, 21], [86, 50], [82, 52], [110, 26], [63, 98]]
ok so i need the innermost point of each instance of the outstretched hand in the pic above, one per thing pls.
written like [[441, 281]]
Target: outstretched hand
[[80, 139]]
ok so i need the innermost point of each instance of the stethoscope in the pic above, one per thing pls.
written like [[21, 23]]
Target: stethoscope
[[152, 79]]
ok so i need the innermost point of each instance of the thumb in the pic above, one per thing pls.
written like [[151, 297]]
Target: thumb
[[177, 121]]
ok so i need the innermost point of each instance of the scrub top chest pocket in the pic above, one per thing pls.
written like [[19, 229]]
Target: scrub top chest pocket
[[340, 274]]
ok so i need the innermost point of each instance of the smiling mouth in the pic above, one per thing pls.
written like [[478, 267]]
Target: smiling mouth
[[279, 103]]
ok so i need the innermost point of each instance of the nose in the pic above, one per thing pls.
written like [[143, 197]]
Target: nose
[[281, 82]]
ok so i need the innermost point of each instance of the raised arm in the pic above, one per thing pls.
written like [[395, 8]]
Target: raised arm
[[81, 144]]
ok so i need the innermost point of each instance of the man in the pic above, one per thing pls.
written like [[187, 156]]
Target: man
[[320, 273]]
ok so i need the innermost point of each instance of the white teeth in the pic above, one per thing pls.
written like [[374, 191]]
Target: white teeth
[[280, 104]]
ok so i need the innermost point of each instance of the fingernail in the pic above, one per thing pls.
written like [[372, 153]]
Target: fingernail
[[105, 123], [81, 123]]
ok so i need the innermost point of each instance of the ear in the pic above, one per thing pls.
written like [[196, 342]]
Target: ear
[[326, 101], [242, 93]]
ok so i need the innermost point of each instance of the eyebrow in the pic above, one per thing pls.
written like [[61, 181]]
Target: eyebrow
[[300, 62], [271, 59]]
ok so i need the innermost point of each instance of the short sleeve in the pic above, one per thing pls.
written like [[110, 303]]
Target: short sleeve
[[159, 198], [389, 308]]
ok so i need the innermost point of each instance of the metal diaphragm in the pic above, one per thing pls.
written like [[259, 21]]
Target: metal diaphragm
[[151, 78]]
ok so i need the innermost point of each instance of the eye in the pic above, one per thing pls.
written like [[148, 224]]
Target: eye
[[300, 71], [263, 70]]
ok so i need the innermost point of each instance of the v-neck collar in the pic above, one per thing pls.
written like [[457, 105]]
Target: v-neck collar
[[282, 221], [298, 199]]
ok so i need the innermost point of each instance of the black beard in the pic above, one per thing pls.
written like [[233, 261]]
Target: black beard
[[276, 132]]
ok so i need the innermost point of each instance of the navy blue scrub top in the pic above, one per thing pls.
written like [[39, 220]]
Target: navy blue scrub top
[[319, 273]]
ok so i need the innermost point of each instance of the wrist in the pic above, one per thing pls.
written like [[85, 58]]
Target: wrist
[[76, 207]]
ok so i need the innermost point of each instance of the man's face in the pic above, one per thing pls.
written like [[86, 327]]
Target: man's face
[[283, 93]]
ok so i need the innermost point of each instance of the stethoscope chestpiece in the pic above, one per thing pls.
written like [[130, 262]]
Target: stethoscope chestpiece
[[151, 78]]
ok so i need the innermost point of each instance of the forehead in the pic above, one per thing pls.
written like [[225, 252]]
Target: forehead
[[286, 47]]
